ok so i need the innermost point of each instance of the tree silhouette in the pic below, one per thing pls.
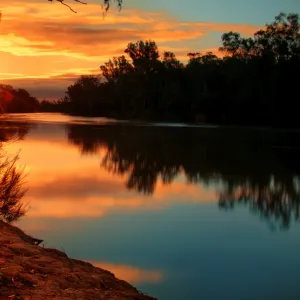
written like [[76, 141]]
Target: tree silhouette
[[83, 93], [16, 100], [244, 87], [11, 189], [12, 178]]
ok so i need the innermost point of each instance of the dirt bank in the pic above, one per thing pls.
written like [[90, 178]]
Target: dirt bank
[[28, 271]]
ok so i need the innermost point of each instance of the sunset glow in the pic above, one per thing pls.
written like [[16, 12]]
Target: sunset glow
[[44, 46]]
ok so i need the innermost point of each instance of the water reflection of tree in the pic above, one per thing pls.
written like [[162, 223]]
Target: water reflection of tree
[[275, 200], [250, 169], [12, 187], [11, 131]]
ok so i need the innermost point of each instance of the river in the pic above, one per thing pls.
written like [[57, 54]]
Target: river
[[181, 212]]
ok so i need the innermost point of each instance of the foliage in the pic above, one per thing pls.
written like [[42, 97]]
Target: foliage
[[254, 83], [12, 178], [16, 100], [11, 189]]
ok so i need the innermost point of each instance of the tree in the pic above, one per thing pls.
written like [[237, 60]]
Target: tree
[[264, 71], [171, 62], [13, 101], [83, 94], [144, 55], [255, 83], [115, 68], [279, 41]]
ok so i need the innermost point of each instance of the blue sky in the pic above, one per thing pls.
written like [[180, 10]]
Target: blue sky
[[223, 11]]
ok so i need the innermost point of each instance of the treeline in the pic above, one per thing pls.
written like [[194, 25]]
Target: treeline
[[254, 83], [17, 100]]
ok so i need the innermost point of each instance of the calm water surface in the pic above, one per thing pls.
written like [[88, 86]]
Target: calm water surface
[[180, 212]]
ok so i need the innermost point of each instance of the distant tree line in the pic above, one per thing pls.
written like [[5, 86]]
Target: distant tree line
[[254, 83], [17, 100]]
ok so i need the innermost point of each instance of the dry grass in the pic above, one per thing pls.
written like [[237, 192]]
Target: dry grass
[[12, 188]]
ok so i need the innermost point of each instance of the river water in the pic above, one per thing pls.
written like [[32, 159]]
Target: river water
[[181, 212]]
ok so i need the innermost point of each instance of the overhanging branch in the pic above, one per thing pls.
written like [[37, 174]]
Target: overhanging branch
[[106, 4]]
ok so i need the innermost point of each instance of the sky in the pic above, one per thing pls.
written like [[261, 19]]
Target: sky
[[44, 46]]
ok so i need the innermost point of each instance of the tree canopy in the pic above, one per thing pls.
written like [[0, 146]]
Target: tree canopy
[[253, 82], [16, 100]]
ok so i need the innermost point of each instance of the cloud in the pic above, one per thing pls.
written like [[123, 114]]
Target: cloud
[[39, 39], [49, 30], [48, 86], [97, 38], [43, 88]]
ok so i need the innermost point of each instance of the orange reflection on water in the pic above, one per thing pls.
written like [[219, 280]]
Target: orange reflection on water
[[63, 184], [131, 274]]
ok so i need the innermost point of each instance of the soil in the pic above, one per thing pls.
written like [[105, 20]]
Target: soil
[[31, 272]]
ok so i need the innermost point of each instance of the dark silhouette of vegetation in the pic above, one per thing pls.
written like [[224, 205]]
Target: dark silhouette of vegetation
[[255, 83], [106, 3], [17, 100], [11, 189], [53, 106], [12, 182], [259, 168]]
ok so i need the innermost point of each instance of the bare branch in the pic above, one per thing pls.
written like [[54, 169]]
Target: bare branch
[[62, 2], [80, 2], [106, 4]]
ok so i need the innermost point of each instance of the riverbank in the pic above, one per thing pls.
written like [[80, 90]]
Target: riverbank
[[29, 271]]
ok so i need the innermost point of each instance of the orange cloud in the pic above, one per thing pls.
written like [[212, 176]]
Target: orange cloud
[[98, 38], [130, 274], [64, 41], [45, 47]]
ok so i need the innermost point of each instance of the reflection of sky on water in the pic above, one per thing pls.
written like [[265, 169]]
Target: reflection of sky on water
[[173, 244], [190, 249], [61, 176]]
